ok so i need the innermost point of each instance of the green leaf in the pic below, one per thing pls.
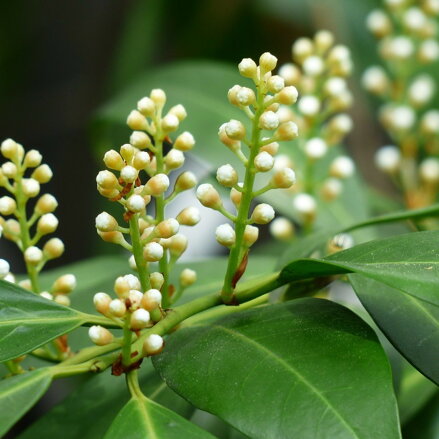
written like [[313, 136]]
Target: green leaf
[[142, 418], [425, 425], [27, 321], [308, 368], [19, 393], [411, 324], [88, 412]]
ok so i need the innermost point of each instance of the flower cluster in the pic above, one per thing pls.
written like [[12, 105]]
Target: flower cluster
[[137, 174], [408, 41], [26, 232], [256, 148], [319, 71]]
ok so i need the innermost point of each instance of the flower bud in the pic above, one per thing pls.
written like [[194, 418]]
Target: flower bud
[[190, 216], [323, 40], [33, 255], [99, 335], [247, 68], [174, 159], [315, 148], [11, 149], [302, 48], [232, 95], [177, 245], [7, 205], [158, 96], [225, 235], [106, 223], [331, 189], [113, 160], [9, 170], [236, 196], [251, 234], [46, 295], [179, 111], [46, 204], [264, 162], [234, 145], [267, 62], [129, 174], [26, 284], [62, 300], [309, 105], [146, 106], [32, 158], [64, 284], [167, 228], [107, 180], [209, 196], [275, 84], [339, 242], [152, 252], [184, 142], [283, 178], [429, 170], [245, 96], [226, 176], [272, 148], [31, 187], [306, 206], [117, 308], [282, 229], [112, 237], [136, 204], [11, 229], [151, 299], [157, 280], [342, 167], [185, 181], [170, 123], [235, 130], [48, 223], [288, 95], [268, 121], [53, 248], [430, 122], [42, 174], [157, 185], [137, 121], [375, 80], [379, 23], [140, 140], [134, 299], [4, 268], [122, 286], [429, 51], [313, 66], [287, 131], [421, 90], [153, 344], [188, 277], [140, 319], [262, 214], [141, 160]]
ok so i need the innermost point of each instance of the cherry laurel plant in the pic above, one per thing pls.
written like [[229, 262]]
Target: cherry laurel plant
[[267, 361]]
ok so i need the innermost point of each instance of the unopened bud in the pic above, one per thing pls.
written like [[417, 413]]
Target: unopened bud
[[315, 148], [262, 214], [179, 111], [251, 234], [117, 308], [62, 300], [226, 176], [247, 68], [235, 129], [64, 284], [190, 216], [157, 185], [42, 174], [9, 169], [33, 255], [31, 187], [388, 159], [32, 158], [48, 223], [146, 106], [288, 95], [342, 167], [99, 335], [140, 140], [151, 299], [268, 121], [177, 245], [137, 121], [129, 174], [141, 160], [140, 319], [157, 280], [136, 204], [283, 178], [11, 149], [306, 206], [152, 252], [107, 180], [174, 159], [170, 123], [209, 196], [272, 148], [282, 229], [106, 223], [225, 235], [188, 277], [167, 228], [245, 96], [267, 62], [313, 66], [113, 160], [429, 170], [134, 299], [290, 73], [112, 237], [7, 205], [46, 204], [158, 96], [309, 105], [184, 142], [53, 248], [4, 268], [236, 196], [331, 189], [185, 181], [153, 344], [287, 131], [302, 48]]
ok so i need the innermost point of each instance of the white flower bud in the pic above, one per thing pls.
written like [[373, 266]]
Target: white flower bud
[[46, 204], [209, 196], [11, 149], [282, 161], [4, 268], [179, 111], [324, 39], [302, 48], [140, 140], [268, 121], [331, 189], [247, 68], [31, 187], [157, 280], [429, 51], [190, 216], [48, 223], [339, 242], [414, 19], [275, 84], [429, 170], [151, 299], [402, 118], [309, 105], [245, 96], [113, 160], [140, 319], [306, 206], [177, 245], [235, 130], [158, 96], [146, 106], [107, 180], [339, 54], [400, 48], [129, 174], [375, 80], [313, 66], [9, 169], [141, 160], [134, 299], [421, 90], [122, 286], [62, 300], [184, 142], [32, 158], [288, 95], [272, 148], [251, 234], [341, 123], [33, 255], [7, 205], [282, 229], [188, 277], [64, 284], [53, 248], [46, 295], [157, 185], [430, 122], [264, 162], [334, 86], [185, 181], [315, 148], [225, 235], [170, 123], [342, 167], [431, 7], [267, 62], [388, 159], [153, 344], [226, 176], [136, 204], [232, 95], [99, 335], [290, 73], [167, 228], [153, 252], [283, 178], [287, 131], [117, 308], [42, 174], [26, 284], [226, 140], [379, 23], [106, 223], [137, 121], [236, 195], [262, 214], [174, 159]]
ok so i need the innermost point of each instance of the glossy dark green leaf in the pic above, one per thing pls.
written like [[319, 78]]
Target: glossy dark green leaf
[[88, 412], [308, 368], [142, 418], [425, 425], [411, 324], [28, 321], [19, 393]]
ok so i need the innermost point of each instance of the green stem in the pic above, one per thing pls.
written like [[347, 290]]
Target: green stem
[[95, 365], [133, 385], [126, 344], [138, 253]]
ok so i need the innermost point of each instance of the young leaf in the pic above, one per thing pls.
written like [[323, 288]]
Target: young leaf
[[28, 321], [19, 393], [261, 370]]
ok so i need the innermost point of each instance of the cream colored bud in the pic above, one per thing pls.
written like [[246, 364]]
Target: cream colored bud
[[157, 280], [429, 170], [127, 151], [287, 131], [32, 159], [53, 248], [9, 169], [342, 167], [400, 48], [341, 123], [209, 196], [430, 122], [251, 234], [140, 140], [285, 114], [134, 299], [46, 204], [137, 121], [264, 162], [247, 68], [375, 80], [99, 335], [431, 7], [48, 223], [167, 228], [107, 180], [42, 174], [190, 216], [402, 118], [31, 187], [151, 299], [136, 204], [421, 90], [341, 102], [112, 237], [267, 62], [113, 160], [62, 300], [177, 245], [141, 160], [33, 255], [225, 235], [283, 178], [132, 263], [152, 252], [174, 159], [4, 268], [236, 196], [313, 66], [429, 51], [268, 121], [245, 96], [64, 284], [339, 54], [334, 86], [309, 105], [170, 123], [122, 286], [302, 48], [117, 308], [153, 344], [226, 140], [11, 149], [282, 229], [339, 242], [379, 23], [235, 130], [8, 205], [185, 181], [188, 277], [184, 142], [146, 106], [157, 185], [140, 319], [331, 189], [262, 214], [315, 148], [226, 176], [11, 229], [323, 39], [158, 96], [275, 84], [272, 148], [46, 295], [306, 206], [291, 74], [414, 19], [288, 95], [232, 95], [129, 174], [179, 111], [102, 302]]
